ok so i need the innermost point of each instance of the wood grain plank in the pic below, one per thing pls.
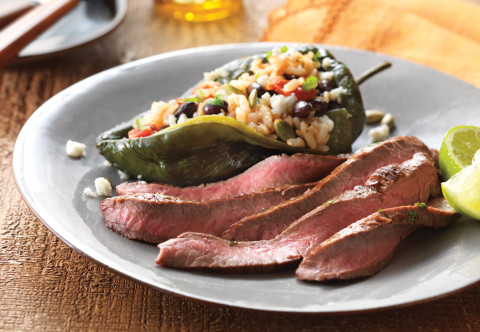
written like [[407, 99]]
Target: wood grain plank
[[47, 286]]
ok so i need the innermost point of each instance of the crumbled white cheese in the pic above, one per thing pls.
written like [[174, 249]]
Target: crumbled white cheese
[[103, 186], [213, 75], [379, 133], [123, 176], [282, 105], [327, 122], [336, 94], [139, 176], [106, 163], [75, 149], [262, 80], [326, 63], [325, 75], [89, 192]]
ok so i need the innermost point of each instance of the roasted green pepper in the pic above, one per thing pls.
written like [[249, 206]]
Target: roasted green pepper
[[200, 150], [183, 154], [211, 148]]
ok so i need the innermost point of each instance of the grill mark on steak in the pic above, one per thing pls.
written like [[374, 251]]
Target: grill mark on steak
[[366, 246], [156, 218], [272, 172], [354, 171], [412, 181]]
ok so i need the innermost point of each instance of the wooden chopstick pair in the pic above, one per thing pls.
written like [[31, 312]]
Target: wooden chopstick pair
[[20, 32]]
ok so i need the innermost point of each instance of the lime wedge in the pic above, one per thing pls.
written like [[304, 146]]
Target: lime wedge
[[458, 148], [462, 191]]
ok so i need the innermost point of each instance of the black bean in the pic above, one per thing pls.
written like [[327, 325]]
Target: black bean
[[320, 106], [333, 105], [327, 85], [302, 109], [187, 108], [210, 109], [255, 86]]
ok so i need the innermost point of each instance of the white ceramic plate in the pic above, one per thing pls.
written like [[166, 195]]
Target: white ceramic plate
[[87, 22], [425, 103]]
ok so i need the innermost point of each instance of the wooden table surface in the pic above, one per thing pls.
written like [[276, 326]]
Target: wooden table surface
[[47, 286]]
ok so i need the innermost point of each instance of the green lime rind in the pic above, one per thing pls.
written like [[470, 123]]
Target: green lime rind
[[457, 150]]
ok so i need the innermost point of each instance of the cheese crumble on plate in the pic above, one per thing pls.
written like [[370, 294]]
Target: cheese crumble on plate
[[75, 149]]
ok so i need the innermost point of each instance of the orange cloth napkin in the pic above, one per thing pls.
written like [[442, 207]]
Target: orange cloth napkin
[[443, 34]]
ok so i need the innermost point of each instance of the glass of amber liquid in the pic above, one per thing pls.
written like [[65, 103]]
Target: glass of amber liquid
[[198, 10]]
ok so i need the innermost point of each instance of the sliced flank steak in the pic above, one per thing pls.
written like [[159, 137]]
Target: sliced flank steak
[[272, 172], [397, 184], [366, 246], [156, 218], [353, 172]]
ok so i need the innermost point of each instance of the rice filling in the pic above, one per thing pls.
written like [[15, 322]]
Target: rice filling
[[285, 85]]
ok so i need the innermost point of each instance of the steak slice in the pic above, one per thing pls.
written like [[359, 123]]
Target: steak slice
[[272, 172], [156, 218], [353, 172], [397, 184], [366, 246]]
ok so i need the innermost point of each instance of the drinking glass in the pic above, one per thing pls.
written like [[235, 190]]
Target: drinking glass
[[198, 10]]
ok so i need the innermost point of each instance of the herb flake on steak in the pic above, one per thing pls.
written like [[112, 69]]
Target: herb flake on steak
[[353, 172], [366, 246], [398, 184]]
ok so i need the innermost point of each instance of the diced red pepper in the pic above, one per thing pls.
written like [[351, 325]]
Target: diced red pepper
[[135, 132], [304, 95], [278, 84]]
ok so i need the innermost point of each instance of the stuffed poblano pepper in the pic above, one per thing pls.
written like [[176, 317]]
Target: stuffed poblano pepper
[[284, 101]]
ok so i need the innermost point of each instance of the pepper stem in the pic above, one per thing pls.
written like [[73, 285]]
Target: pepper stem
[[372, 71]]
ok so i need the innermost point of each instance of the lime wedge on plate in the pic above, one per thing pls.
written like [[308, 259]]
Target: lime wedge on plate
[[458, 148], [462, 191]]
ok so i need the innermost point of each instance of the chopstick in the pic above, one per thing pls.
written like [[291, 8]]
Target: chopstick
[[18, 34], [10, 10]]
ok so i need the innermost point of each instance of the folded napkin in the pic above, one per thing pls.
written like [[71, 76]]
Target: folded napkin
[[443, 34]]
